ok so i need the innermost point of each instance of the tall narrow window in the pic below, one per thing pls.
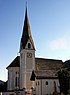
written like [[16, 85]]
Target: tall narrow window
[[16, 82], [29, 45], [38, 82], [55, 87]]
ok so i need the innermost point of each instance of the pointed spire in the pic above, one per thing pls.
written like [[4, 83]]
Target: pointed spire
[[26, 31]]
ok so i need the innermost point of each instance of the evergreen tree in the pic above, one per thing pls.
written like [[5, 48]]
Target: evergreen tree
[[64, 80]]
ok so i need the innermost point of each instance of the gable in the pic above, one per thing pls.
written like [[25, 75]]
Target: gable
[[15, 62], [29, 43]]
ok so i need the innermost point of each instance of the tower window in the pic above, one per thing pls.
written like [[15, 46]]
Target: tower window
[[29, 45], [46, 82]]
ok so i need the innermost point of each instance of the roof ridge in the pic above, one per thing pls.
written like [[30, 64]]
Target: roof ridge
[[47, 58]]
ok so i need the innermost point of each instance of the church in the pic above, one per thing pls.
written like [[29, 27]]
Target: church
[[28, 75]]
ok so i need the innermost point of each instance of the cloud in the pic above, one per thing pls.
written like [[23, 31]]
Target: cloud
[[58, 44]]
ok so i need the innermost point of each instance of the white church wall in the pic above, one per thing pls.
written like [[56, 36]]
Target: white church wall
[[38, 87], [12, 71], [22, 69], [46, 86], [30, 60], [27, 65]]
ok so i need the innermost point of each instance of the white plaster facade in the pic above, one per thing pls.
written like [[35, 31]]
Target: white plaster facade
[[27, 65], [12, 74], [46, 89]]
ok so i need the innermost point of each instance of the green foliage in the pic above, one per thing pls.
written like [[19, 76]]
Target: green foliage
[[64, 80], [68, 92], [3, 87]]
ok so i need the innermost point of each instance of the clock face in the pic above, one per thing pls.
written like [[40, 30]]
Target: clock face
[[29, 55]]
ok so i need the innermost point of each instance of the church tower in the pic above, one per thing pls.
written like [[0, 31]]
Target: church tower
[[27, 56]]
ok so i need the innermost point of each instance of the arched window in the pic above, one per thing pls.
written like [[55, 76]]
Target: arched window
[[46, 82], [29, 45]]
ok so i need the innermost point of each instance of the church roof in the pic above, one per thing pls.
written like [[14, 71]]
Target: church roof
[[48, 64], [45, 74], [47, 68], [15, 63], [26, 33], [44, 68]]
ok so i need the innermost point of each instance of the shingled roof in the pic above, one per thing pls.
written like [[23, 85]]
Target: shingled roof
[[44, 68], [45, 74], [15, 62], [47, 68], [48, 64]]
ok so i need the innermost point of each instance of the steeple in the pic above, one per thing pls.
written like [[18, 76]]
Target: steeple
[[26, 35]]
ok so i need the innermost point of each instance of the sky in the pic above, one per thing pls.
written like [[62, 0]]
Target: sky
[[50, 27]]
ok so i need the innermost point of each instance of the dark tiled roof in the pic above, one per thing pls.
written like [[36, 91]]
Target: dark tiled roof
[[46, 74], [41, 64], [26, 33], [44, 68], [48, 64], [47, 68], [15, 62]]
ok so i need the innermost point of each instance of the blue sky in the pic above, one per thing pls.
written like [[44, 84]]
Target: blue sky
[[50, 27]]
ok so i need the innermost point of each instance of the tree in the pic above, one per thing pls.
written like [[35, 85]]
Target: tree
[[64, 80], [3, 87]]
